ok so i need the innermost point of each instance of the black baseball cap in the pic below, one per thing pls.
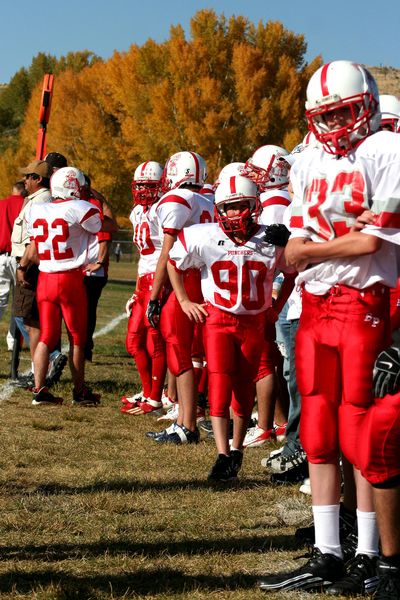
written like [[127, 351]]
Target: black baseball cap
[[56, 160]]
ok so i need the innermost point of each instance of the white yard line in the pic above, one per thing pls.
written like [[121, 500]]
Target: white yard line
[[7, 389]]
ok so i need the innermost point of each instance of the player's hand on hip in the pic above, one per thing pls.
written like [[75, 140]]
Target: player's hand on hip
[[130, 304], [195, 312]]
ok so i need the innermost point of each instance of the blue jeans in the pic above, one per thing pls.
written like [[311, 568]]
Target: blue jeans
[[292, 429]]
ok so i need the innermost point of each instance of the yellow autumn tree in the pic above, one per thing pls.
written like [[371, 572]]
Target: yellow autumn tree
[[223, 90]]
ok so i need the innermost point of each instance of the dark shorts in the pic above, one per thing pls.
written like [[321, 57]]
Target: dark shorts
[[25, 300]]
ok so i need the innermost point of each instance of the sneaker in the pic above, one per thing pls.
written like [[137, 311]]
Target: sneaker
[[361, 577], [256, 436], [305, 487], [133, 399], [288, 459], [26, 382], [55, 369], [153, 434], [206, 426], [222, 470], [349, 545], [172, 414], [388, 582], [43, 396], [236, 459], [320, 571], [142, 408], [266, 462], [291, 476], [85, 397], [280, 431], [177, 434], [166, 400]]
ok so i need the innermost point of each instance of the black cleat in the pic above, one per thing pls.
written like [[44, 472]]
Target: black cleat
[[177, 434], [222, 470], [85, 397], [26, 382], [320, 571], [236, 461], [55, 369], [43, 396], [294, 475], [361, 577], [388, 582]]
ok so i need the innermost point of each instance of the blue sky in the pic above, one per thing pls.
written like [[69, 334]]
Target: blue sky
[[342, 29]]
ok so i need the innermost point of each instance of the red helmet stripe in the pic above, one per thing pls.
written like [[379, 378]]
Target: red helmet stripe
[[196, 162], [324, 82], [232, 184], [144, 167]]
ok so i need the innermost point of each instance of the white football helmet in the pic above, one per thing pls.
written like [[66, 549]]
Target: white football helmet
[[268, 168], [68, 183], [234, 189], [229, 170], [338, 85], [146, 183], [184, 168], [309, 140], [390, 112]]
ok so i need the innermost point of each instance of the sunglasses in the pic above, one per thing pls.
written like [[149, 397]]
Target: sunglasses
[[33, 175]]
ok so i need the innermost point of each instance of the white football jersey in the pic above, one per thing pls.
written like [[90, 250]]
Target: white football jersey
[[236, 278], [331, 192], [148, 237], [182, 207], [274, 204], [63, 231]]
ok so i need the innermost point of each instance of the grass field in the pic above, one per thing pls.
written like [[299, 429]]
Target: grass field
[[92, 509]]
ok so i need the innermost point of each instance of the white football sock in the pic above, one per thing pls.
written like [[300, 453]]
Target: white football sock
[[326, 524], [368, 536]]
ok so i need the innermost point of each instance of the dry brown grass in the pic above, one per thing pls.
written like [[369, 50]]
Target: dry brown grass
[[388, 79], [92, 509]]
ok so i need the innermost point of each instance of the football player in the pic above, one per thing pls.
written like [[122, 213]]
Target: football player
[[61, 232], [144, 342], [390, 112], [345, 276], [181, 206], [269, 169], [237, 270]]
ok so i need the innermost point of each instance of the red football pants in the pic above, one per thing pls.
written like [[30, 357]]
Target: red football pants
[[233, 345], [339, 337], [62, 296], [146, 345], [177, 329]]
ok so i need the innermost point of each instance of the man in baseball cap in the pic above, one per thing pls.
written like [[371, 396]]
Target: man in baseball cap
[[40, 168]]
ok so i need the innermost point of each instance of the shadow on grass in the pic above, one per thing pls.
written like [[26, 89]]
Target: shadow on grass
[[192, 547], [143, 582], [131, 485]]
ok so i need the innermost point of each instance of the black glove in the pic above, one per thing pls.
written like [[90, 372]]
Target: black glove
[[153, 312], [387, 372], [277, 235]]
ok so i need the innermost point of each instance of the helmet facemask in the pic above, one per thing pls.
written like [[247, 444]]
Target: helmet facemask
[[244, 222], [341, 139], [268, 168], [145, 193]]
